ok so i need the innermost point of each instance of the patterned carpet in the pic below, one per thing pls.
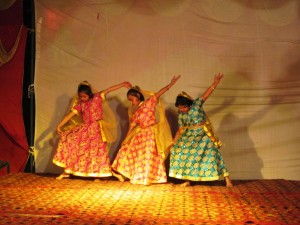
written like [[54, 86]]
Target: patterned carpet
[[41, 199]]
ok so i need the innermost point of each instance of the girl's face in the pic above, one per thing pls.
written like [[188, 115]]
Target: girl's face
[[135, 101], [183, 108], [83, 97]]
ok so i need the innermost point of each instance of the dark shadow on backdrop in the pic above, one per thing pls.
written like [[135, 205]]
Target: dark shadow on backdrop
[[40, 141]]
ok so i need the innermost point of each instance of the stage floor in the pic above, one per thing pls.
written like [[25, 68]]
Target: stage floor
[[41, 199]]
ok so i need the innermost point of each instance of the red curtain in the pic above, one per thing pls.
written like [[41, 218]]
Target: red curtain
[[13, 141]]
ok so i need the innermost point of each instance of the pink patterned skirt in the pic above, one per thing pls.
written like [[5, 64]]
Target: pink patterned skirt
[[82, 152]]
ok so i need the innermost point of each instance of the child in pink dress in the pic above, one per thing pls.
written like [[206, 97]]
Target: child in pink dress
[[141, 157], [82, 150]]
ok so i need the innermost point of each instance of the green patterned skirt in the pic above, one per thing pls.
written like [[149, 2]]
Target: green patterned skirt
[[194, 157]]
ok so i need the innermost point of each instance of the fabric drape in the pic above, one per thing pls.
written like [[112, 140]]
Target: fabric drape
[[14, 146], [255, 110]]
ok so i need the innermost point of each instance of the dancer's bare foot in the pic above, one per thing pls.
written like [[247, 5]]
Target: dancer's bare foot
[[63, 175], [118, 176], [147, 184], [186, 184], [228, 182]]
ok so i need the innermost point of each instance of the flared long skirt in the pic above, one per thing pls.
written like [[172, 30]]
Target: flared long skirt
[[82, 152], [139, 160], [194, 157]]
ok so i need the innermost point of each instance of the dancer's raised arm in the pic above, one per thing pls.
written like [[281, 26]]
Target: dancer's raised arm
[[116, 87], [209, 90], [166, 88]]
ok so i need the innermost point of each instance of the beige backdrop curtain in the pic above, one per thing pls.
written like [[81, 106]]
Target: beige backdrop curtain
[[256, 44]]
